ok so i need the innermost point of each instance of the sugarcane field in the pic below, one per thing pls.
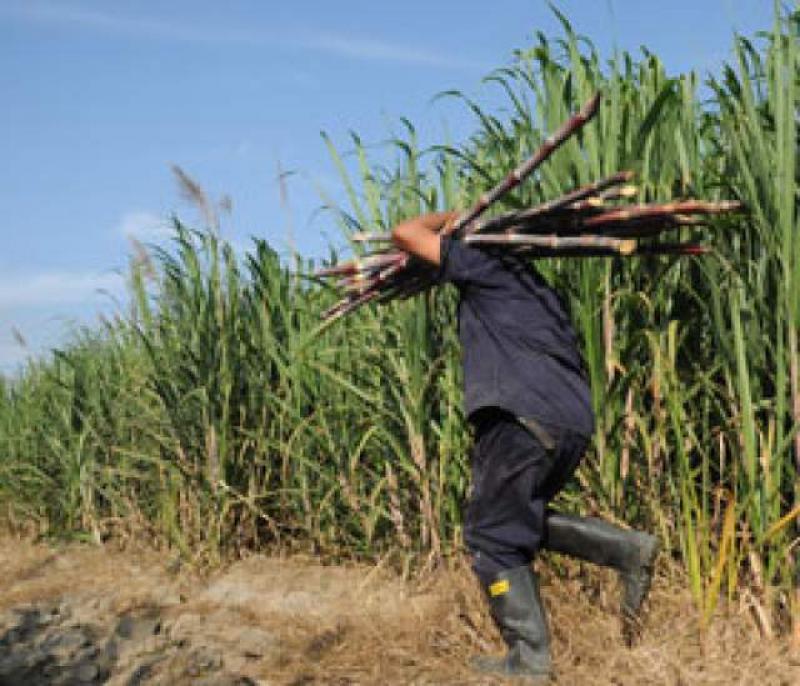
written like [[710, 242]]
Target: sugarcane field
[[504, 390]]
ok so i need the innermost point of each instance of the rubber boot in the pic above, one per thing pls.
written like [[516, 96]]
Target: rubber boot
[[632, 553], [519, 614]]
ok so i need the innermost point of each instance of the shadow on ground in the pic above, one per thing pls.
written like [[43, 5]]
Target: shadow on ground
[[43, 646]]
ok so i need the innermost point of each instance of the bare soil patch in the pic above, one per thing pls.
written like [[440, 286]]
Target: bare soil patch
[[87, 615]]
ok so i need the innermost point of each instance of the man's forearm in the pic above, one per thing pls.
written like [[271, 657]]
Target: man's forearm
[[420, 236]]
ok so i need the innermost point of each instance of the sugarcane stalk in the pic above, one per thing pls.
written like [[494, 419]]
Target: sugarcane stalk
[[688, 249], [529, 252], [564, 201], [598, 201], [689, 207], [574, 221], [371, 237], [569, 221], [673, 249], [354, 284], [590, 189], [550, 145], [372, 261], [564, 221], [554, 242], [348, 305]]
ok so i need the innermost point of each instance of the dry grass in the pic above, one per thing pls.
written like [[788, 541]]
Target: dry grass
[[363, 625]]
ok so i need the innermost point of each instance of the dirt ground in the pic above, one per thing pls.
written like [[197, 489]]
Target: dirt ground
[[89, 615]]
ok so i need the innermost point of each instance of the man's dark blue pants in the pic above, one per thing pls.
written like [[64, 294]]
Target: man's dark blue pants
[[515, 474]]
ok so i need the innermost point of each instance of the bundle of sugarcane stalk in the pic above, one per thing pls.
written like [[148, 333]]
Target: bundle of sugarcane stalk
[[581, 223]]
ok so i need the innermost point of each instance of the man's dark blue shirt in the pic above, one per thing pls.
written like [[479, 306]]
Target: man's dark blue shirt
[[520, 351]]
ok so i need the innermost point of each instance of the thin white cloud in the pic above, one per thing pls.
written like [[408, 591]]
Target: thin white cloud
[[144, 226], [378, 50], [52, 13], [58, 288], [336, 44]]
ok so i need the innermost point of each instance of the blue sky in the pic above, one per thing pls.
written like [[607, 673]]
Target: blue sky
[[99, 98]]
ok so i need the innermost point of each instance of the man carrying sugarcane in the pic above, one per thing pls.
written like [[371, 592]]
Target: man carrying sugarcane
[[528, 401], [526, 391]]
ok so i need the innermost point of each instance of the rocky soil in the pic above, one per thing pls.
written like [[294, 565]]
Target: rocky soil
[[88, 615]]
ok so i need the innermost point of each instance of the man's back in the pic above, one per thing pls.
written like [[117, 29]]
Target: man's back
[[520, 349]]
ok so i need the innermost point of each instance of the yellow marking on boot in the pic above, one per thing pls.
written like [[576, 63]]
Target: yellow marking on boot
[[499, 588]]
